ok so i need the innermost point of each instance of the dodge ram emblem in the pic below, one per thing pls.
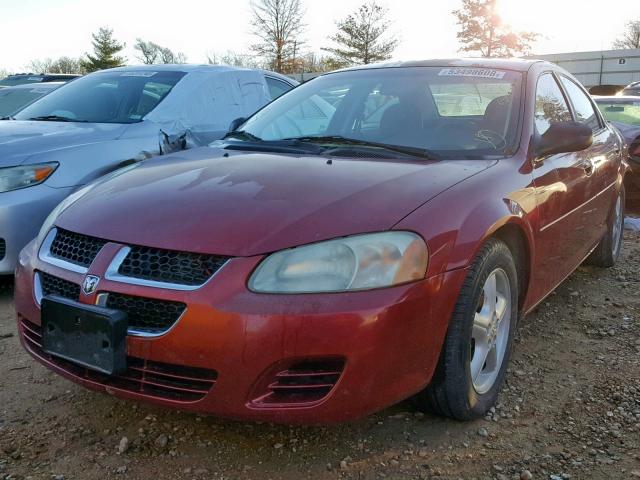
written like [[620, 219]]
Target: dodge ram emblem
[[90, 284]]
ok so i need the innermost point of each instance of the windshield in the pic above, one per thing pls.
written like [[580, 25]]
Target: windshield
[[105, 97], [618, 111], [12, 100], [465, 112], [19, 80]]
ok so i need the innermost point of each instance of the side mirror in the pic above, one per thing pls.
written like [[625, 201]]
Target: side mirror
[[236, 123], [564, 137]]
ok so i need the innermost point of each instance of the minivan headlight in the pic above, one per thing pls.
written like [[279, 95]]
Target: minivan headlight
[[14, 178], [359, 262]]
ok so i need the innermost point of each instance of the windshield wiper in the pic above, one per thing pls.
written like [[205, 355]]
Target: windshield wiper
[[241, 134], [8, 117], [340, 140], [55, 118]]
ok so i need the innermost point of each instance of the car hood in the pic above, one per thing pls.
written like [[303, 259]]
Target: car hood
[[20, 140], [241, 204]]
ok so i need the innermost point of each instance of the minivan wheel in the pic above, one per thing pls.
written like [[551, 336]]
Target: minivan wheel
[[477, 347], [608, 250]]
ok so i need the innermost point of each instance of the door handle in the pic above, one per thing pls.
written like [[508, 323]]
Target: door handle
[[587, 166]]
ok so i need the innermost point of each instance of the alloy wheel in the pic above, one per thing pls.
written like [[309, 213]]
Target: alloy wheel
[[618, 221], [490, 334]]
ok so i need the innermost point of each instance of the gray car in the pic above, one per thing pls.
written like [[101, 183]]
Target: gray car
[[107, 120]]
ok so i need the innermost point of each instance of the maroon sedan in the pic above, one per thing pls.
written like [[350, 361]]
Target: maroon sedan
[[372, 235]]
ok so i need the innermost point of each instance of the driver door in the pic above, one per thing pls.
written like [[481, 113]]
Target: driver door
[[563, 187]]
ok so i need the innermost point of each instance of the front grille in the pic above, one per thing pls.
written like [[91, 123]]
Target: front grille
[[75, 248], [146, 314], [51, 285], [3, 248], [303, 383], [154, 379], [170, 266]]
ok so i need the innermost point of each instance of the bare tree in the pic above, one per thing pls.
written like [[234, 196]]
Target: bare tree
[[234, 59], [59, 65], [152, 53], [278, 25], [630, 38], [40, 65], [482, 30], [67, 65], [362, 37]]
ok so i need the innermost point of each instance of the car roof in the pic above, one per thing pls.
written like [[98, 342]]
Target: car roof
[[516, 64], [190, 68], [46, 85]]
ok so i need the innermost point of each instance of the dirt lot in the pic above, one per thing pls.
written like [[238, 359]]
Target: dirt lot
[[571, 409]]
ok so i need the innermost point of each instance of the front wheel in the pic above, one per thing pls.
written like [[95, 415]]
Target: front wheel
[[477, 347], [608, 250]]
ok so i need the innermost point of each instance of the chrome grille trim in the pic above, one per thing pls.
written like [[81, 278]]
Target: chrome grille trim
[[45, 255], [114, 275]]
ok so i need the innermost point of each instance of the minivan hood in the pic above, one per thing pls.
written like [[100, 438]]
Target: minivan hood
[[21, 139], [241, 204]]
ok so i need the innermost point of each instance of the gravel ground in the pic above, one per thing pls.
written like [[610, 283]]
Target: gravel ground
[[570, 409]]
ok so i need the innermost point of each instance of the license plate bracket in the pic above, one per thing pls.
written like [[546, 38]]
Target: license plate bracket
[[88, 335]]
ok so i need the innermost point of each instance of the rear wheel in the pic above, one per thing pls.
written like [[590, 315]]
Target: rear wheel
[[608, 250], [477, 347]]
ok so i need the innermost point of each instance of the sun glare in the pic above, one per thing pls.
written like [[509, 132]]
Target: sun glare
[[515, 13]]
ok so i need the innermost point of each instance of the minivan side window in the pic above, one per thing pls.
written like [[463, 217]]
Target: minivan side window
[[277, 87], [551, 106], [585, 113]]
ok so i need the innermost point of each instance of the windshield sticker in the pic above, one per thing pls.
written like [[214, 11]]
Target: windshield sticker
[[471, 72], [38, 90], [35, 79], [138, 74]]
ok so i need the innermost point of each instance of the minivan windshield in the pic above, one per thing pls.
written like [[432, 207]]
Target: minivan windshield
[[104, 97], [467, 112]]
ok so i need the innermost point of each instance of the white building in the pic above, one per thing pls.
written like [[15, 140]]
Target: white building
[[606, 67]]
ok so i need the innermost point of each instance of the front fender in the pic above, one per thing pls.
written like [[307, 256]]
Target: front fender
[[456, 224]]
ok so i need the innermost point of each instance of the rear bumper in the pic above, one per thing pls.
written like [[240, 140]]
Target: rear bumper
[[387, 341], [22, 213]]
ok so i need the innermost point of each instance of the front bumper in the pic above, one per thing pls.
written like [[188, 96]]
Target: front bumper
[[388, 341], [22, 213]]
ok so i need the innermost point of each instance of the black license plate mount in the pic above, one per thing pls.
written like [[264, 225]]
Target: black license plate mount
[[88, 335]]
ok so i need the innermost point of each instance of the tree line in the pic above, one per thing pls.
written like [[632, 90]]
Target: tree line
[[362, 37]]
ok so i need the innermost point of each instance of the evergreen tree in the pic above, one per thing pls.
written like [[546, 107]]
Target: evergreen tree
[[361, 37], [105, 49]]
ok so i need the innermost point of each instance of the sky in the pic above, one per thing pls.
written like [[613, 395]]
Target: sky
[[36, 29]]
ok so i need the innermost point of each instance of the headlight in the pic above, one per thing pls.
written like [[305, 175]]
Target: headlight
[[359, 262], [14, 178]]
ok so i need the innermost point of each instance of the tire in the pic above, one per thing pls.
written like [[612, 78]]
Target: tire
[[608, 250], [453, 392]]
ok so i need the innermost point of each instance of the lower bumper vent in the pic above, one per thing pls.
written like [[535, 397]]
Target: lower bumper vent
[[303, 383]]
